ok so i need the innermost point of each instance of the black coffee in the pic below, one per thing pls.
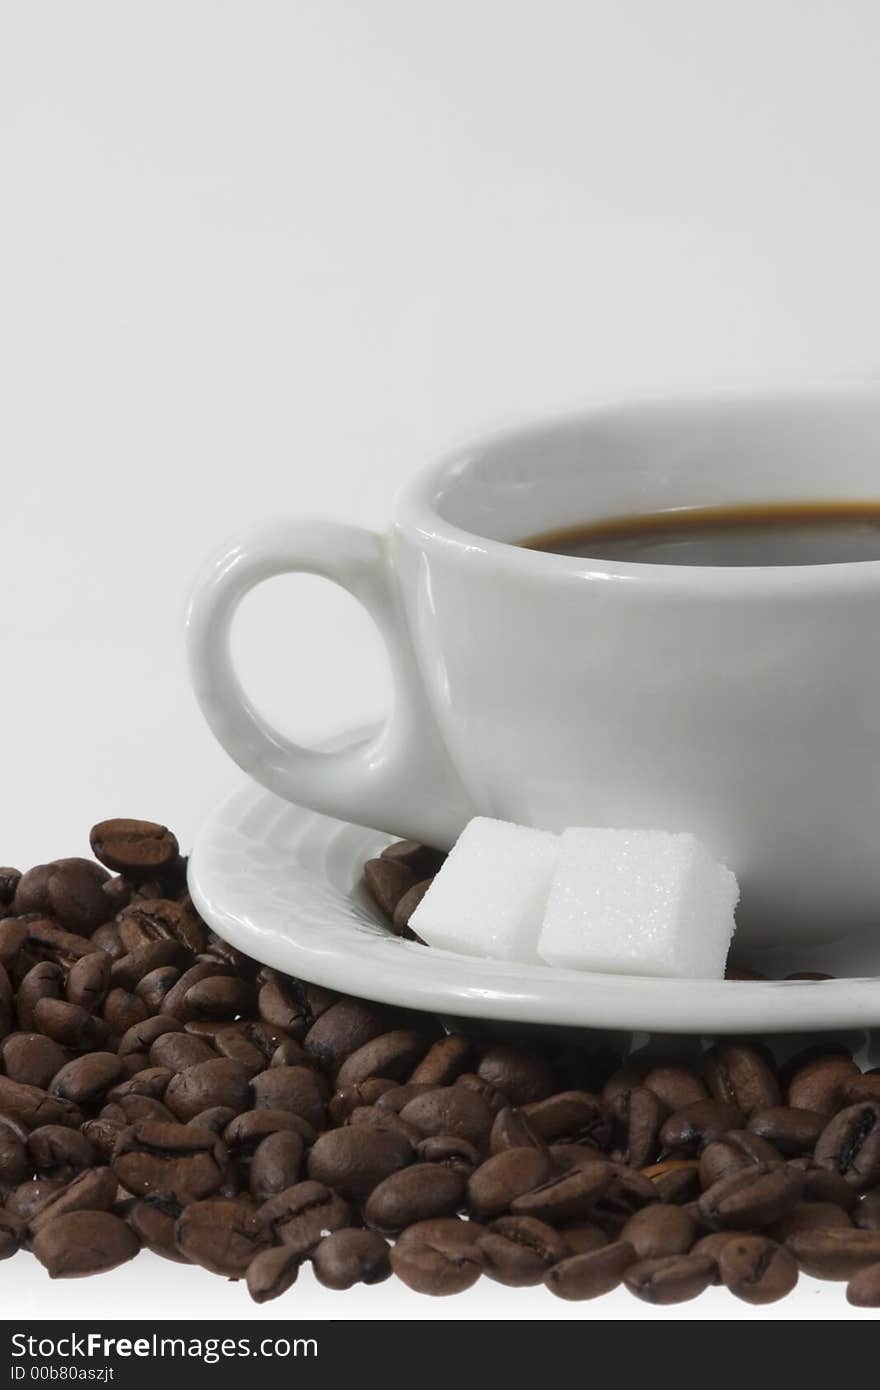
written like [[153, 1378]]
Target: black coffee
[[779, 533]]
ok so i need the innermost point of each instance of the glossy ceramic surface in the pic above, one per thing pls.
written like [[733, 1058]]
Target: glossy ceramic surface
[[740, 704], [284, 884]]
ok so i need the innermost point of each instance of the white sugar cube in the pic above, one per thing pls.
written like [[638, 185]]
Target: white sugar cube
[[488, 899], [638, 902]]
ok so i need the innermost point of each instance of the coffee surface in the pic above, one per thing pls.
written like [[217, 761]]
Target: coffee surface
[[781, 533]]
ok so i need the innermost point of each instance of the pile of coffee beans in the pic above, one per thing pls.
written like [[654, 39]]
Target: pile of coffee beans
[[158, 1089]]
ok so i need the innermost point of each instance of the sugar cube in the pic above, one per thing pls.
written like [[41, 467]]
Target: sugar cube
[[638, 902], [488, 899]]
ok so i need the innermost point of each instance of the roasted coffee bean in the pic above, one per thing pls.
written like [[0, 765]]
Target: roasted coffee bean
[[453, 1110], [12, 1233], [678, 1185], [84, 1242], [272, 1272], [808, 1216], [291, 1088], [220, 1234], [675, 1086], [866, 1215], [135, 1107], [753, 1198], [355, 1160], [505, 1176], [375, 1117], [59, 1152], [444, 1061], [511, 1130], [788, 1129], [378, 1092], [217, 1082], [438, 1257], [640, 1113], [303, 1215], [122, 1010], [30, 1197], [421, 860], [739, 1074], [659, 1230], [850, 1145], [103, 1134], [349, 1098], [449, 1151], [756, 1269], [231, 1040], [419, 1192], [387, 880], [92, 1190], [626, 1193], [833, 1252], [136, 848], [152, 1081], [820, 1084], [667, 1279], [351, 1256], [32, 1058], [155, 987], [492, 1098], [862, 1291], [406, 906], [282, 1005], [221, 997], [215, 1118], [85, 1079], [47, 941], [44, 981], [246, 1131], [276, 1164], [391, 1055], [517, 1250], [163, 919], [153, 1221], [343, 1028], [161, 1160], [570, 1117], [178, 1051], [688, 1129], [579, 1238], [13, 935], [131, 969], [522, 1077], [69, 1024], [589, 1275], [9, 880], [141, 1036], [68, 890], [15, 1165], [736, 1151], [712, 1245], [89, 980], [863, 1088], [566, 1196], [823, 1185], [32, 1107], [106, 938]]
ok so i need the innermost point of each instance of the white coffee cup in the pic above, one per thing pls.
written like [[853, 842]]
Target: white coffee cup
[[742, 704]]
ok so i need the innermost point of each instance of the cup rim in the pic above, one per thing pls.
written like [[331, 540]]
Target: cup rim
[[415, 510]]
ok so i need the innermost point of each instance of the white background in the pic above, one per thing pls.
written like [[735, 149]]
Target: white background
[[260, 259]]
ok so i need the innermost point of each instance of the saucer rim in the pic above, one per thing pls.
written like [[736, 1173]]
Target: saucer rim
[[405, 974]]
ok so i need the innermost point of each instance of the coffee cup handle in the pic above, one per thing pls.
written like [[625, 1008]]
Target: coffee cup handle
[[401, 779]]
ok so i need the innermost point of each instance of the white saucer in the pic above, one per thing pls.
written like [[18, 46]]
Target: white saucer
[[284, 885]]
